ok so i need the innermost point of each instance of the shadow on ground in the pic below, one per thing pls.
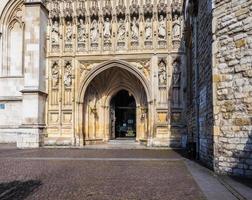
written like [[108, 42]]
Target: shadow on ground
[[18, 189]]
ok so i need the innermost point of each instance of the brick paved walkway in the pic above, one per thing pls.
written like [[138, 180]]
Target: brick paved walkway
[[95, 174]]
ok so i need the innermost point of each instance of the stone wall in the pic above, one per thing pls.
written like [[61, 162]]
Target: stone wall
[[200, 112], [232, 75]]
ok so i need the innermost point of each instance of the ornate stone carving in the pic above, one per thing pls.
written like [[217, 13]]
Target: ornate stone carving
[[144, 66], [162, 73], [68, 74]]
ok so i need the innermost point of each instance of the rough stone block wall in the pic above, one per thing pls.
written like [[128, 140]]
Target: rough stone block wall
[[232, 76]]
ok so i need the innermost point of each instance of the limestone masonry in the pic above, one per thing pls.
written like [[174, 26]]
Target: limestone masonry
[[167, 73]]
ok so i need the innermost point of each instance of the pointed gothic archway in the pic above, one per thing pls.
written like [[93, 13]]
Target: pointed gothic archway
[[97, 91]]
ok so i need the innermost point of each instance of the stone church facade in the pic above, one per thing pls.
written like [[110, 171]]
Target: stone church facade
[[182, 68]]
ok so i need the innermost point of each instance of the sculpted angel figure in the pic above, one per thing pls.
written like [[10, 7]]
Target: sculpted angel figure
[[121, 30], [94, 31], [55, 32], [134, 29], [148, 29], [81, 31], [161, 28], [69, 31], [107, 29]]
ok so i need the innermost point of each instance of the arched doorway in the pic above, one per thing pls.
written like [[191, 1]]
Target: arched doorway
[[123, 115], [97, 92]]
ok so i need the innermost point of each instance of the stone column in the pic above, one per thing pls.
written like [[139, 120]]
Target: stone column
[[34, 95]]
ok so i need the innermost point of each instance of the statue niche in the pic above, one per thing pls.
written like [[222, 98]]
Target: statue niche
[[107, 32], [94, 32], [176, 83], [176, 30], [162, 73]]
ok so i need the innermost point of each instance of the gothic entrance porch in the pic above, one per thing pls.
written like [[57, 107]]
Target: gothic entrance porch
[[123, 116], [115, 105]]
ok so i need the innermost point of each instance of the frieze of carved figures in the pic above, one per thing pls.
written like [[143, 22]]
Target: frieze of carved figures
[[162, 73], [162, 28], [94, 32], [81, 31], [148, 29], [68, 75], [55, 32], [55, 74], [176, 27]]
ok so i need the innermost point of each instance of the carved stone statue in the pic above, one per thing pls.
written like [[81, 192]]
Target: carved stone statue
[[94, 32], [148, 29], [69, 32], [162, 74], [107, 29], [176, 27], [162, 28], [81, 31], [68, 75], [55, 32], [176, 78], [135, 29], [121, 30], [176, 74], [55, 74]]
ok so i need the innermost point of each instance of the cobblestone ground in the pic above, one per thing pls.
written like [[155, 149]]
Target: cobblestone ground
[[45, 174]]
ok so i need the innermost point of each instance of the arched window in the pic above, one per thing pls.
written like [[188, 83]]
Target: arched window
[[15, 49], [12, 39]]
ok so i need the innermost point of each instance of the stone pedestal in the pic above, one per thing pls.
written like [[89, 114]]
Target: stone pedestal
[[34, 96]]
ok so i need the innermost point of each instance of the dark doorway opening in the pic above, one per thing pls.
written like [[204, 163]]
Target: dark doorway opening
[[123, 121]]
